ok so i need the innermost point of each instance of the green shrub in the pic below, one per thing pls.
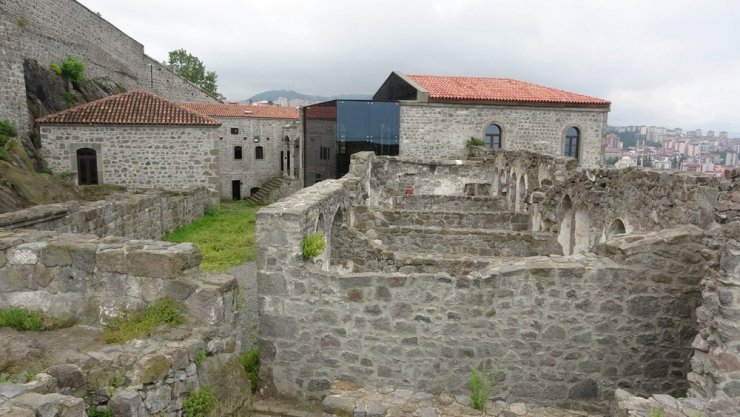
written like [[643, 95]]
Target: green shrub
[[473, 141], [94, 411], [65, 175], [132, 324], [480, 388], [55, 68], [250, 361], [69, 98], [22, 22], [313, 245], [3, 153], [7, 129], [46, 170], [200, 357], [74, 69], [19, 318], [199, 402], [210, 210]]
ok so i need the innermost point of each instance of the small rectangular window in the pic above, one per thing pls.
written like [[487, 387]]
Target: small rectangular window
[[324, 153], [234, 130], [237, 152]]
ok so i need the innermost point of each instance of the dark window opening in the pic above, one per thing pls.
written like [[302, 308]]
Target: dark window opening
[[570, 145], [237, 152], [324, 152], [254, 190], [236, 190], [492, 138], [234, 130], [87, 166], [259, 153]]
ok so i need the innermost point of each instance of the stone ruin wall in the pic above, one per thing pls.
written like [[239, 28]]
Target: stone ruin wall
[[139, 216], [622, 317], [51, 30], [92, 279]]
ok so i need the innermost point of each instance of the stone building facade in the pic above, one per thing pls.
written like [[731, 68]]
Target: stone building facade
[[255, 144], [439, 114], [136, 140], [51, 30]]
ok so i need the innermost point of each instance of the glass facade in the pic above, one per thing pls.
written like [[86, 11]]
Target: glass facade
[[334, 130]]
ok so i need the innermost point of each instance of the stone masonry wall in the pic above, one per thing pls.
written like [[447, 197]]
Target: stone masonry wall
[[168, 157], [141, 216], [250, 171], [51, 30], [439, 131], [92, 279]]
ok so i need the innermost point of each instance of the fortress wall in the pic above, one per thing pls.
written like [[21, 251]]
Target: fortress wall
[[141, 216], [50, 31]]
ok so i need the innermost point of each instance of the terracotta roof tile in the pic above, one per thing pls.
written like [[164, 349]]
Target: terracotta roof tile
[[243, 110], [497, 89], [136, 107]]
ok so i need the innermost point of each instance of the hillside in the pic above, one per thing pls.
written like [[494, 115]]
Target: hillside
[[285, 97]]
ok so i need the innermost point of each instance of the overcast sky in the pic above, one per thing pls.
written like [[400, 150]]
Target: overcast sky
[[672, 63]]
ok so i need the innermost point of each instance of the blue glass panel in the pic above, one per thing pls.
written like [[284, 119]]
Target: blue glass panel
[[353, 121], [384, 122]]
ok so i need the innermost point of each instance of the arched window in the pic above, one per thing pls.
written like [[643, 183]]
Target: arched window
[[492, 138], [570, 145], [237, 152], [87, 166], [617, 228], [259, 153]]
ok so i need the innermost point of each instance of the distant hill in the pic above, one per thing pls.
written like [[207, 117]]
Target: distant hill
[[293, 98]]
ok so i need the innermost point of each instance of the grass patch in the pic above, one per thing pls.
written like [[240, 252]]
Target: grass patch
[[313, 245], [225, 235], [143, 322], [23, 319], [199, 402], [250, 361], [480, 388]]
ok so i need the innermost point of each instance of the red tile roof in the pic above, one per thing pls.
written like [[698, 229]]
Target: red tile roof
[[136, 107], [243, 110], [497, 89]]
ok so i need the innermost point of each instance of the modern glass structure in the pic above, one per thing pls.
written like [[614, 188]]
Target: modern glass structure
[[336, 129]]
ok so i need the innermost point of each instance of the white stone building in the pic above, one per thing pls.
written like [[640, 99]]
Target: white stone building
[[255, 144], [440, 113], [135, 139]]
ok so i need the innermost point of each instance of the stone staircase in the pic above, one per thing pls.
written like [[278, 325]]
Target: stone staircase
[[262, 196], [440, 234]]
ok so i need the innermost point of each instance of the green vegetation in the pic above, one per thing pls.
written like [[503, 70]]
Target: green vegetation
[[313, 245], [656, 413], [250, 360], [132, 324], [70, 97], [7, 132], [192, 69], [473, 141], [226, 236], [199, 402], [94, 411], [200, 357], [22, 22], [480, 388], [55, 68], [74, 69], [20, 318]]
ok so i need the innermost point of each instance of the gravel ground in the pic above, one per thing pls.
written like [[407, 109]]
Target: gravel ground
[[247, 318]]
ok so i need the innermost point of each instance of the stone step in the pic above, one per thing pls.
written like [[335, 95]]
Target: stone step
[[366, 219], [270, 408], [466, 241], [449, 203]]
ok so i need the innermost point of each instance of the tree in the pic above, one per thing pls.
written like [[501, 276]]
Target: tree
[[192, 69]]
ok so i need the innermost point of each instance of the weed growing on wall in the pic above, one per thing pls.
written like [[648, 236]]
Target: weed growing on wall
[[20, 318], [656, 413], [200, 357], [199, 402], [69, 98], [133, 324], [313, 245], [74, 69], [480, 388], [22, 22], [94, 411], [55, 68], [7, 132], [250, 360], [473, 141]]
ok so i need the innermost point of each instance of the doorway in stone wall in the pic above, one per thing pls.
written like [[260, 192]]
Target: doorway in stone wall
[[236, 190], [87, 166]]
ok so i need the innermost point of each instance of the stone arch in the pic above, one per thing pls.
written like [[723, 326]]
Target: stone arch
[[582, 230], [616, 228], [566, 225], [544, 177]]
